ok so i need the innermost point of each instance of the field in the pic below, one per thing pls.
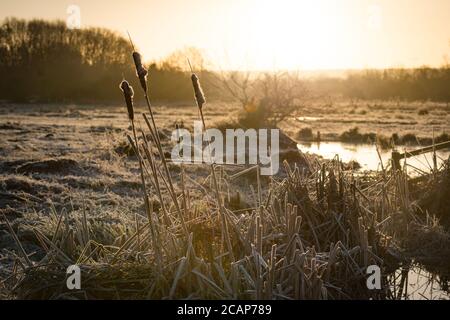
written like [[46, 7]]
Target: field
[[71, 191], [92, 139], [384, 118]]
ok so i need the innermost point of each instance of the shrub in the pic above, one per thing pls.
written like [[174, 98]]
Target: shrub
[[305, 133]]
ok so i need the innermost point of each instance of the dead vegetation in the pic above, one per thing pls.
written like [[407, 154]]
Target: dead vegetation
[[310, 233], [49, 166], [311, 237]]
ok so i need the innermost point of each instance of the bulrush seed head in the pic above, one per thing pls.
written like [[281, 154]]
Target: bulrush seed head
[[141, 72], [128, 93], [199, 95]]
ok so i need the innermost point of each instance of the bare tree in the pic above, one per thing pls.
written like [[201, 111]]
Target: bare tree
[[238, 85], [282, 95], [266, 98], [178, 60]]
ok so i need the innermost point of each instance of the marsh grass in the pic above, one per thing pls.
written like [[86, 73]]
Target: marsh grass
[[354, 135], [312, 238], [311, 233]]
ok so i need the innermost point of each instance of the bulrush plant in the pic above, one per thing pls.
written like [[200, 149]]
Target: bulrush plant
[[199, 96], [200, 101], [142, 73], [128, 93]]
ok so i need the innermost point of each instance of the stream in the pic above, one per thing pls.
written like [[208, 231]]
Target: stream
[[366, 155]]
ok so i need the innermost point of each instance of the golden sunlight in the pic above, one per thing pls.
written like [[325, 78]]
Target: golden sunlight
[[288, 35], [283, 34]]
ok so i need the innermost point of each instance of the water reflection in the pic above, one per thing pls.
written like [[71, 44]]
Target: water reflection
[[415, 283], [366, 155]]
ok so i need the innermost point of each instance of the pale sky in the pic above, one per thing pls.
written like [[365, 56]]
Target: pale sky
[[270, 34]]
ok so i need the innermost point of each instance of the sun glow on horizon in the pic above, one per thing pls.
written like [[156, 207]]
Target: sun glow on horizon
[[323, 35], [270, 34], [287, 35]]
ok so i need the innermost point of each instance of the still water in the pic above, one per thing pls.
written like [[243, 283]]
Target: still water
[[419, 284], [366, 155]]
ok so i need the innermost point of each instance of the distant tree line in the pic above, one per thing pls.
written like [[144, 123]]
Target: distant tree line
[[407, 84], [44, 61]]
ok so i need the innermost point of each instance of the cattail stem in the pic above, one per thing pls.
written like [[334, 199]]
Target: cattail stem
[[142, 73], [222, 213], [202, 118], [138, 232], [148, 206], [155, 177], [164, 162], [144, 185], [200, 101]]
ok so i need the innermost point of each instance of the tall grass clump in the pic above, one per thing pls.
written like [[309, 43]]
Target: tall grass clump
[[312, 238]]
